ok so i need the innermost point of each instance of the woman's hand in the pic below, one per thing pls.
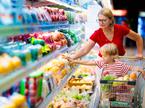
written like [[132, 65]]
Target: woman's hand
[[139, 56], [139, 43]]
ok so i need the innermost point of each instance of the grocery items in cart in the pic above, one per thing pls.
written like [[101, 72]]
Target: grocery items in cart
[[120, 92]]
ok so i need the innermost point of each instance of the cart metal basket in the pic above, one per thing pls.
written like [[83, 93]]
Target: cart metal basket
[[118, 93], [121, 94]]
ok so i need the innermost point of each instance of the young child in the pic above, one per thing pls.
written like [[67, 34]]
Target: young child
[[109, 62]]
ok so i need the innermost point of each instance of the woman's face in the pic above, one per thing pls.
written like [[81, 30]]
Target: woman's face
[[103, 21]]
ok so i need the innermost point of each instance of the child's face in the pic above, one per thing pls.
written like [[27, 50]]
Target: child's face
[[107, 58]]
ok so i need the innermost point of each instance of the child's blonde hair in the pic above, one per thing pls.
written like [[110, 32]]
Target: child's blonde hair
[[109, 49]]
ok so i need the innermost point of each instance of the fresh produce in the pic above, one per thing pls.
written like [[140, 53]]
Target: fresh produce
[[82, 97], [105, 73], [77, 93], [126, 78], [118, 81], [106, 87], [133, 76], [108, 77], [78, 97]]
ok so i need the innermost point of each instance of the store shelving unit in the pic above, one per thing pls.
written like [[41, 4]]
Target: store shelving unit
[[57, 89], [22, 29], [8, 80], [59, 3]]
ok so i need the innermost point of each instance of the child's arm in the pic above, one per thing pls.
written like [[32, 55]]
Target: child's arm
[[84, 62]]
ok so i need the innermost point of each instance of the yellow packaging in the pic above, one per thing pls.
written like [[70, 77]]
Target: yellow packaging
[[18, 100]]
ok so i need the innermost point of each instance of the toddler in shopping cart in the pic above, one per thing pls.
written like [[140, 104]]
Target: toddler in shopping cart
[[110, 62]]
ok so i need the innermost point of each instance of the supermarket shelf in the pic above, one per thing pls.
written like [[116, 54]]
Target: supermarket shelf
[[6, 31], [76, 8], [77, 25], [57, 89], [8, 80]]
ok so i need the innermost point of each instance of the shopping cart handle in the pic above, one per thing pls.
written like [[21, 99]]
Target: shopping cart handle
[[129, 57], [106, 81], [111, 82], [131, 83]]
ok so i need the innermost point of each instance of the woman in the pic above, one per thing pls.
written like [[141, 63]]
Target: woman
[[110, 33]]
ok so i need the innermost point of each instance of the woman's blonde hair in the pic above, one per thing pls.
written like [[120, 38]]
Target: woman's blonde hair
[[109, 49], [107, 13]]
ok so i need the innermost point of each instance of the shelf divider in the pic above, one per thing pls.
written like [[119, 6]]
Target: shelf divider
[[75, 8], [13, 30]]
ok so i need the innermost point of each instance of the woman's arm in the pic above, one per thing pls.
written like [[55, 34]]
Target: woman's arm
[[139, 42], [84, 50]]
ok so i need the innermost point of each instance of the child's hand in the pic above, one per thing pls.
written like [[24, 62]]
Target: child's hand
[[72, 62], [65, 56]]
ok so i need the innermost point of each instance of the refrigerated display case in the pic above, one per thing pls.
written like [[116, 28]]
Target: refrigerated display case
[[32, 53]]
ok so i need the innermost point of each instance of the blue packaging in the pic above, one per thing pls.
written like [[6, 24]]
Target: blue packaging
[[141, 26]]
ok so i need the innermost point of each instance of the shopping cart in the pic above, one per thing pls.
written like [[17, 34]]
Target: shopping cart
[[122, 94]]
